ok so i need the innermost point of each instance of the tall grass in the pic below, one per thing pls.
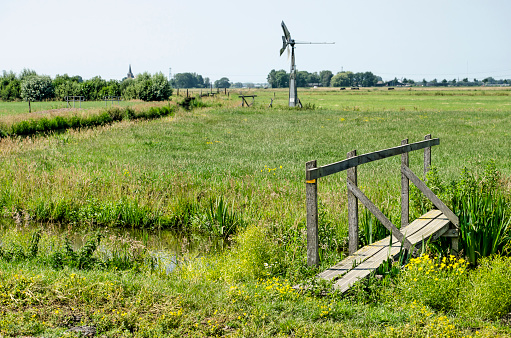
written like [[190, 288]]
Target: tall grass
[[484, 213], [56, 123]]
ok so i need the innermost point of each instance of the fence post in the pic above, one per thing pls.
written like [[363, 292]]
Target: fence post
[[352, 208], [405, 190], [311, 200], [427, 157]]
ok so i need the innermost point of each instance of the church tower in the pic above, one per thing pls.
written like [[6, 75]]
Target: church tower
[[130, 74]]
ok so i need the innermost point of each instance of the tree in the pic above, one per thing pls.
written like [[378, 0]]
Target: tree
[[160, 88], [222, 83], [342, 79], [282, 79], [146, 87], [424, 82], [238, 85], [189, 80], [66, 85], [10, 86], [302, 78], [36, 88], [26, 73], [91, 88], [325, 77], [277, 79]]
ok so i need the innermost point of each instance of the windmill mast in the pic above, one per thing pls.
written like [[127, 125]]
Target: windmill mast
[[293, 92]]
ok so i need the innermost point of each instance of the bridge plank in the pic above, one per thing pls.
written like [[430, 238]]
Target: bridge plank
[[367, 259]]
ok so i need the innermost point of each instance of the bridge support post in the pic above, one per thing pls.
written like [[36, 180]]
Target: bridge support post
[[405, 190], [352, 208], [427, 157], [311, 200]]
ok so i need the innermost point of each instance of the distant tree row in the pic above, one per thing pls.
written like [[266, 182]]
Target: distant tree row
[[325, 78], [28, 85], [280, 78], [194, 80]]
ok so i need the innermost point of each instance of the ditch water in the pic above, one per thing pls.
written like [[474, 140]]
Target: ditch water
[[167, 246]]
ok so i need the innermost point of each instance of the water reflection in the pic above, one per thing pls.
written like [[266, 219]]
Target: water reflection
[[168, 247]]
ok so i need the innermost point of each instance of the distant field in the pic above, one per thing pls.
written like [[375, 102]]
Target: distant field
[[399, 99], [14, 108]]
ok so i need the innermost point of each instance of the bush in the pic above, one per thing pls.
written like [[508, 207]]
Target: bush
[[434, 282], [487, 294], [253, 255]]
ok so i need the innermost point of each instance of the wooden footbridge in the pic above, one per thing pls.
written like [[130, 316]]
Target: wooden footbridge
[[410, 237]]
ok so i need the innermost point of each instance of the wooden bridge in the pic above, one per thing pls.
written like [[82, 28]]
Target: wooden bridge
[[411, 237]]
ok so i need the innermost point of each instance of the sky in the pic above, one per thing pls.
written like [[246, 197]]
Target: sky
[[240, 40]]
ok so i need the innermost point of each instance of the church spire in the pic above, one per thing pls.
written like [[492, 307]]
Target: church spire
[[130, 74]]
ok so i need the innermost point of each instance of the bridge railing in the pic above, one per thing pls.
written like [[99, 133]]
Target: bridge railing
[[313, 173]]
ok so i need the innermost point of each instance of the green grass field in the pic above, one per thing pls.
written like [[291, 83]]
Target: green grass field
[[14, 108], [152, 173]]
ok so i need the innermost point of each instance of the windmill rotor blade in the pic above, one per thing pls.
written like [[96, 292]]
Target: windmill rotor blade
[[286, 32], [284, 44]]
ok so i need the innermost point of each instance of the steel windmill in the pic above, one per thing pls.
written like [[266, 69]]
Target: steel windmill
[[286, 42]]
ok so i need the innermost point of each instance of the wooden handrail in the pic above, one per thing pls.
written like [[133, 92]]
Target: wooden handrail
[[431, 196], [329, 169], [312, 173], [379, 215]]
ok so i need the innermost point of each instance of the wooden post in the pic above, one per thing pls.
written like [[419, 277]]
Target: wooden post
[[225, 91], [311, 198], [177, 94], [352, 208], [29, 108], [427, 157], [186, 92], [405, 190]]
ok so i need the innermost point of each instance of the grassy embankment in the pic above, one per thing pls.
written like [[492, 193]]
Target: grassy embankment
[[171, 173]]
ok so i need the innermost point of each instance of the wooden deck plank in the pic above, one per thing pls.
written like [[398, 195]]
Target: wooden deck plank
[[369, 258], [372, 249]]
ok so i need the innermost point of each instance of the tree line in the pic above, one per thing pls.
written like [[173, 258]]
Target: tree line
[[30, 86], [194, 80], [325, 78]]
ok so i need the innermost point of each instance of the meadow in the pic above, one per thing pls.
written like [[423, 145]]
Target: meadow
[[15, 108], [220, 170]]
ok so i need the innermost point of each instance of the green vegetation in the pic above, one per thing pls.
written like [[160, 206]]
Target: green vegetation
[[59, 123], [238, 173], [32, 87]]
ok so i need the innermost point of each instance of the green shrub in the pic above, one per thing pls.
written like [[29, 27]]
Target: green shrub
[[253, 256], [434, 282], [487, 293]]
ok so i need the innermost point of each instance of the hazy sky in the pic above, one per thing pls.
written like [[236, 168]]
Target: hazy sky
[[241, 39]]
